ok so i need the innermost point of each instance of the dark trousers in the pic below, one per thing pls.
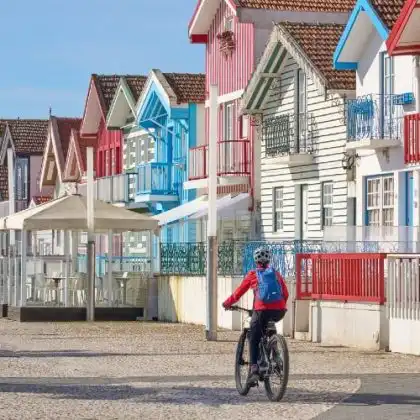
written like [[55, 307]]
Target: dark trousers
[[259, 322]]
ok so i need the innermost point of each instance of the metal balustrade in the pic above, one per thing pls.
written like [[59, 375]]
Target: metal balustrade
[[155, 178], [374, 117]]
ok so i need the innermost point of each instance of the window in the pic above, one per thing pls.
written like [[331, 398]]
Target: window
[[21, 179], [229, 23], [244, 126], [113, 162], [228, 121], [388, 108], [278, 209], [169, 235], [380, 201], [106, 162], [301, 108], [388, 76], [327, 204]]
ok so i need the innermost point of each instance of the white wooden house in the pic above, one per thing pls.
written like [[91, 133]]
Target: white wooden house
[[296, 100], [380, 124]]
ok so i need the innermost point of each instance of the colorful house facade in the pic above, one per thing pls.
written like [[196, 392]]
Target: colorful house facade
[[299, 101], [235, 34], [26, 137], [386, 184]]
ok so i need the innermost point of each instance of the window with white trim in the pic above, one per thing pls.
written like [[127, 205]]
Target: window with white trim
[[106, 162], [228, 121], [113, 162], [244, 126], [229, 23], [380, 201], [278, 209], [327, 203], [302, 105]]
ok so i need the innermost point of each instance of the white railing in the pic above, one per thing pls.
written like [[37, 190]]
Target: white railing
[[403, 286], [112, 189]]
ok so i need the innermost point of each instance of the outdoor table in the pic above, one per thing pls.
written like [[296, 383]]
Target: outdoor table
[[123, 284]]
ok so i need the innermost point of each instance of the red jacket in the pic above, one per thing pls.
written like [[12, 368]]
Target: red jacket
[[251, 282]]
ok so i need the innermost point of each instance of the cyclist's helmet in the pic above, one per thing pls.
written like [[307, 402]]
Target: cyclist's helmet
[[262, 256]]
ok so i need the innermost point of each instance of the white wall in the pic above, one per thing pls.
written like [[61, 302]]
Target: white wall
[[330, 141], [362, 325], [404, 336]]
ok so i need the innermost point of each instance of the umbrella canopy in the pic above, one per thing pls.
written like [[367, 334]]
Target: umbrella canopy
[[70, 213]]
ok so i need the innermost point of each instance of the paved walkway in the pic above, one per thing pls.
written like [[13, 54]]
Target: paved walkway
[[167, 371]]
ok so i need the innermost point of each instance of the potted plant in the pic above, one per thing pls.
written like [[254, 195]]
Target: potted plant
[[227, 41]]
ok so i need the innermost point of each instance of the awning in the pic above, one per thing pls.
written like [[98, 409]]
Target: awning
[[182, 211], [228, 206]]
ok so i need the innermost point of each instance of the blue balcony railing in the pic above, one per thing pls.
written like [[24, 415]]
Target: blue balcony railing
[[155, 178], [375, 117]]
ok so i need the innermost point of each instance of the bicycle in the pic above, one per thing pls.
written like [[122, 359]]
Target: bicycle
[[269, 363]]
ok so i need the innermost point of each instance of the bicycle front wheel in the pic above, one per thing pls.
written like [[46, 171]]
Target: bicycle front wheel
[[242, 365], [275, 383]]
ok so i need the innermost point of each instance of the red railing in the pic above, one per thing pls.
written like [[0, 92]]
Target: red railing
[[234, 158], [412, 138], [342, 277]]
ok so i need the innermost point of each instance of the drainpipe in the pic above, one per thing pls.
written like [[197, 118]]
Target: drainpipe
[[416, 65]]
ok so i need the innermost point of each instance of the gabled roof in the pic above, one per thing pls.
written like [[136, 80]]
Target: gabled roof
[[101, 91], [312, 47], [57, 145], [4, 183], [124, 102], [404, 38], [3, 126], [76, 155], [28, 135], [205, 11], [177, 88], [367, 16]]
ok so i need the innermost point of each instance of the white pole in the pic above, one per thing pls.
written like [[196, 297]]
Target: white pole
[[67, 267], [11, 185], [90, 301], [211, 325], [110, 255], [23, 268]]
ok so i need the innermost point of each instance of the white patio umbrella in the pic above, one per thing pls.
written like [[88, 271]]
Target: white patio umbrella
[[70, 213]]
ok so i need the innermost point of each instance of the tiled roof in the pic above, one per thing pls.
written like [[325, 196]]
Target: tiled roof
[[187, 87], [3, 126], [318, 41], [65, 125], [136, 84], [4, 182], [301, 5], [388, 10], [29, 136], [106, 85]]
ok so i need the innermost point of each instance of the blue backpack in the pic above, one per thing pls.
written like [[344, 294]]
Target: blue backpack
[[269, 289]]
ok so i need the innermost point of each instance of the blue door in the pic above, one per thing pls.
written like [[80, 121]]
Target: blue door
[[410, 199]]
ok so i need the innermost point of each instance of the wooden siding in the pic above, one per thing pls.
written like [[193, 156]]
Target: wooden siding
[[231, 72], [330, 139], [108, 140]]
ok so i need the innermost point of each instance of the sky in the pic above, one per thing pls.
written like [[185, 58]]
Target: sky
[[51, 47]]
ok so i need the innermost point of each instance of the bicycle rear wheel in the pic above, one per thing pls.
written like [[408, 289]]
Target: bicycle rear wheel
[[275, 383], [242, 365]]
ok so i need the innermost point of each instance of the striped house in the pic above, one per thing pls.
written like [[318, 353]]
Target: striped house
[[296, 101], [235, 33]]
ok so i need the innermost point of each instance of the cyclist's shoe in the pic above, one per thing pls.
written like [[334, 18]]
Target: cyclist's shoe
[[254, 376]]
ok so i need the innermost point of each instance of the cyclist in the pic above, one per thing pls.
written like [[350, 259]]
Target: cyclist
[[263, 312]]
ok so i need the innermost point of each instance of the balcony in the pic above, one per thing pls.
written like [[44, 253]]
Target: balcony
[[115, 189], [154, 183], [233, 162], [289, 139], [374, 122], [412, 138]]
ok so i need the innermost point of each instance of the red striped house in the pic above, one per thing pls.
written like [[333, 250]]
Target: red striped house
[[235, 33]]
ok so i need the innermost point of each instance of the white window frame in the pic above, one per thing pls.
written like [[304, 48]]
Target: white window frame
[[228, 24], [244, 125], [327, 194], [278, 209], [380, 202], [228, 121], [107, 162], [302, 104]]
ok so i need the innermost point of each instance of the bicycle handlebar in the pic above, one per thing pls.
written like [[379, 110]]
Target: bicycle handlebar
[[239, 308]]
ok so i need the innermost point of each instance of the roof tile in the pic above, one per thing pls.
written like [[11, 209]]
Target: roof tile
[[319, 41], [4, 183], [106, 86], [336, 6], [65, 125], [388, 10], [188, 87], [29, 136], [136, 84]]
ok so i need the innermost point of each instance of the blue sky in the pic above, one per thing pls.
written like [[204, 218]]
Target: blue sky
[[50, 48]]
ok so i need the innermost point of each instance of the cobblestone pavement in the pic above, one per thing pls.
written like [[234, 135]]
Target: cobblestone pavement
[[168, 371]]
